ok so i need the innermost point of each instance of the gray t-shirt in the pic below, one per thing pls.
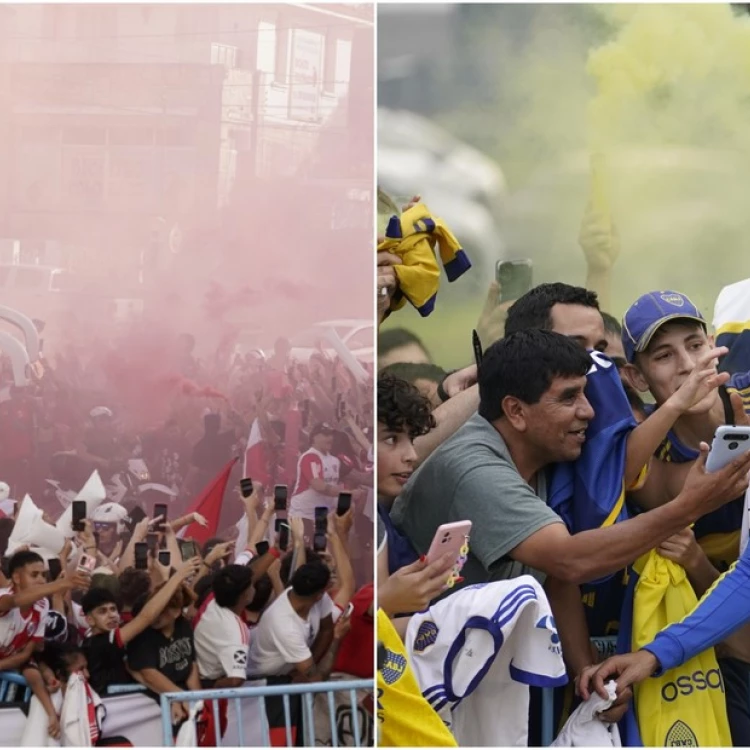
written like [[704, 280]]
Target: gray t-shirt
[[472, 477]]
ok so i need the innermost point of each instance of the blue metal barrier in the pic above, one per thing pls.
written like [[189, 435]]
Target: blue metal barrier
[[307, 691], [607, 646], [9, 684]]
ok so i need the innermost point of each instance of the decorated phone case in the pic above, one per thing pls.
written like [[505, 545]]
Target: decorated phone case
[[454, 538]]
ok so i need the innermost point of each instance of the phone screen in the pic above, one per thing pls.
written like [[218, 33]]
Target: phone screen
[[151, 540], [262, 548], [165, 558], [246, 487], [160, 509], [141, 556], [345, 502], [187, 550], [283, 531], [319, 542], [279, 497], [514, 277], [79, 514]]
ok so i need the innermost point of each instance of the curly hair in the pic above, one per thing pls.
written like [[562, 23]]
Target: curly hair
[[402, 408]]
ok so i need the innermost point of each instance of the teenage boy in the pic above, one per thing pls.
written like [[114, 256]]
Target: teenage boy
[[104, 646]]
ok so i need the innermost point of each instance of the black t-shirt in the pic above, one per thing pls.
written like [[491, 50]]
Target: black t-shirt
[[173, 657], [105, 654]]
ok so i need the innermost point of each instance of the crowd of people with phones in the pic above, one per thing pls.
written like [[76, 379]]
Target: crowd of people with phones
[[579, 487], [221, 542]]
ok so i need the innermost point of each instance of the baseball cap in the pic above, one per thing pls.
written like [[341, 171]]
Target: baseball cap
[[651, 311], [322, 428]]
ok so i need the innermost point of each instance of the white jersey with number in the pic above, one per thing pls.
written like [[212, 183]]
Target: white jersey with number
[[476, 653], [313, 465]]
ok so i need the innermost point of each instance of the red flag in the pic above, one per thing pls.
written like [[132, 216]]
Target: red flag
[[208, 504]]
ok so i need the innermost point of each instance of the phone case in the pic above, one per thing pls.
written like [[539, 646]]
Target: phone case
[[454, 538], [724, 450]]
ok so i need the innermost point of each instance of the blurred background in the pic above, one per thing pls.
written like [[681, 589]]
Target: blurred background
[[492, 113]]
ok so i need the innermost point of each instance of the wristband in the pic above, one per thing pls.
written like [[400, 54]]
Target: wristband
[[274, 553]]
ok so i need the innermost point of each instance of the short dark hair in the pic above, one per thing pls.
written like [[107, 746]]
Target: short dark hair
[[413, 371], [229, 584], [310, 579], [523, 365], [98, 597], [134, 584], [22, 559], [402, 408], [611, 324], [263, 592], [203, 587], [59, 657], [534, 309], [395, 338]]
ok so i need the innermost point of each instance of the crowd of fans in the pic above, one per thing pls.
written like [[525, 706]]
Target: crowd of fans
[[175, 584], [575, 445]]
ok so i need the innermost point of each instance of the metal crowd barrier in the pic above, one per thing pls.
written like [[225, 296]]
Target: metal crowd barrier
[[606, 645], [266, 691], [10, 682]]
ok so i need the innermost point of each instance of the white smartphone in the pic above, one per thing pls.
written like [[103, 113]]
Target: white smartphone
[[450, 537], [349, 609], [729, 443]]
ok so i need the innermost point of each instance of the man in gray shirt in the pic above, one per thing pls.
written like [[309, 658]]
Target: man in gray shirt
[[533, 413]]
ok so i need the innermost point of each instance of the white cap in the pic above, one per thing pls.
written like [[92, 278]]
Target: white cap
[[111, 513], [100, 411]]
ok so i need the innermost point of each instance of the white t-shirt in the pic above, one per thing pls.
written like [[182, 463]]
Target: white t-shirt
[[221, 642], [313, 465], [282, 638], [16, 630], [466, 671]]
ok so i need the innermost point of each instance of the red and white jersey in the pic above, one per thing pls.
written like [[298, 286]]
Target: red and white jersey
[[221, 642], [16, 630], [313, 465]]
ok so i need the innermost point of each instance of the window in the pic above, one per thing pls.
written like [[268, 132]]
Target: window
[[224, 54], [266, 62]]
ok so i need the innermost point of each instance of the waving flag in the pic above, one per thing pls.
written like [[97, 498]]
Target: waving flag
[[208, 504]]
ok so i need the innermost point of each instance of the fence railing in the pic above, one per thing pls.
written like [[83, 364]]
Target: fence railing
[[606, 645], [262, 692], [10, 682]]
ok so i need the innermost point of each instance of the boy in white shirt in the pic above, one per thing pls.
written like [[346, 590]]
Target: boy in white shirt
[[281, 642]]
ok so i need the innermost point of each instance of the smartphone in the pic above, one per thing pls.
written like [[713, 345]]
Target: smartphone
[[729, 443], [246, 487], [279, 497], [514, 277], [55, 568], [319, 541], [345, 502], [321, 518], [151, 541], [141, 556], [160, 509], [79, 514], [349, 609], [450, 537], [188, 550], [165, 558], [261, 548], [282, 529], [86, 563]]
